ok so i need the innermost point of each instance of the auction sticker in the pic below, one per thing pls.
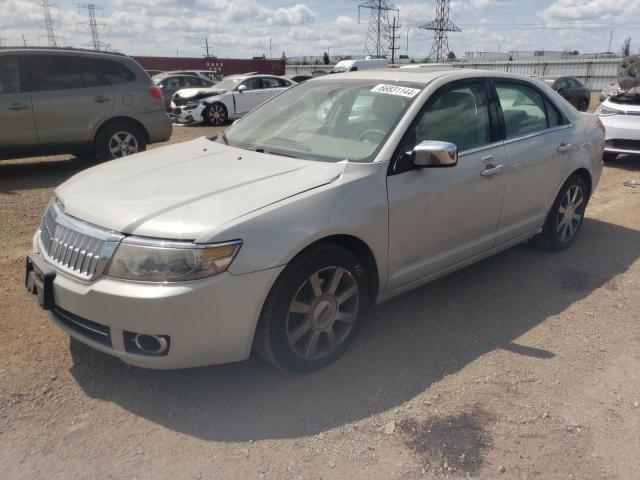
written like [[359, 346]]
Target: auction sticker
[[396, 90]]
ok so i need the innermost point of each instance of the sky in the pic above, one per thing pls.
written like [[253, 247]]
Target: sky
[[242, 28]]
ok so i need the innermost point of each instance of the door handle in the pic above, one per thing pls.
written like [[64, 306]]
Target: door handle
[[18, 106], [490, 171], [100, 99], [565, 147], [487, 159]]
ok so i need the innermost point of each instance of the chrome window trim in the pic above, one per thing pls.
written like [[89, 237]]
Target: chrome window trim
[[481, 148], [538, 133]]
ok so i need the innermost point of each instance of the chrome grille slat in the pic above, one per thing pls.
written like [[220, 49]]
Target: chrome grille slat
[[75, 247]]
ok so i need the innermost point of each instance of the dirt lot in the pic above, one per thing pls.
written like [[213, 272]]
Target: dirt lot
[[524, 366]]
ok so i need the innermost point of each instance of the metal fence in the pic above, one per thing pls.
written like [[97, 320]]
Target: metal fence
[[595, 73]]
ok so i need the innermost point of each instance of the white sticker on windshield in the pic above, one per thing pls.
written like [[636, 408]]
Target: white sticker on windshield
[[395, 90]]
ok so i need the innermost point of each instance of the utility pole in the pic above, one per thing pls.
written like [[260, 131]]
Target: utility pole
[[408, 28], [394, 37], [48, 22], [270, 52], [206, 47], [440, 26], [24, 40], [610, 40], [94, 26], [378, 39]]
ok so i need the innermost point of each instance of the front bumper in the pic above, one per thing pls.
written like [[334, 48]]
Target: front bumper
[[188, 115], [208, 321], [622, 133]]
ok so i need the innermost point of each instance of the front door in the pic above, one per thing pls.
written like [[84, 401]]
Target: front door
[[254, 95], [439, 217], [17, 125], [69, 100]]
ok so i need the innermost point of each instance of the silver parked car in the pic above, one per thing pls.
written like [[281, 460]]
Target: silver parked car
[[77, 101], [335, 195]]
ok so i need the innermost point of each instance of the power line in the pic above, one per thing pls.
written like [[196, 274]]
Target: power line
[[94, 26], [48, 22], [378, 39], [440, 26]]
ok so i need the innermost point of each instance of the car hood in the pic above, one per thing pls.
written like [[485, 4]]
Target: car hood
[[185, 190], [199, 92]]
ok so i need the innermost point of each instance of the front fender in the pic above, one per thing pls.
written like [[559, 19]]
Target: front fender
[[354, 204]]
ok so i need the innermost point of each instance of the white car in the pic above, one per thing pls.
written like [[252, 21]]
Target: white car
[[229, 99], [620, 115], [333, 196]]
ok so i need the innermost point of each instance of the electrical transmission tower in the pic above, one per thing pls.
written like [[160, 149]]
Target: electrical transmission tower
[[48, 22], [440, 26], [379, 34], [94, 26]]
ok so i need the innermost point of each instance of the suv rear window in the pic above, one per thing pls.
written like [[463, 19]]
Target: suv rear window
[[113, 72]]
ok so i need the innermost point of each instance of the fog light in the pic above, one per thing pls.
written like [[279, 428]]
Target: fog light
[[146, 344]]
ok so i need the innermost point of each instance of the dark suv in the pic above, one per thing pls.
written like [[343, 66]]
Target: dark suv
[[77, 101]]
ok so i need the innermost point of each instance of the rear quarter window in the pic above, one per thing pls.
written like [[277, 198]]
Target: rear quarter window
[[113, 72]]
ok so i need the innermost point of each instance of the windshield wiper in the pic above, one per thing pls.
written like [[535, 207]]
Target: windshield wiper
[[271, 152]]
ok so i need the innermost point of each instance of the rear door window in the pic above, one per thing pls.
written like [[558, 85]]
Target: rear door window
[[55, 72], [523, 109], [253, 83], [10, 75], [113, 72]]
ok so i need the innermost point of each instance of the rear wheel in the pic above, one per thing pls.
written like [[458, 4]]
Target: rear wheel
[[119, 140], [313, 310], [566, 215], [609, 156], [584, 105]]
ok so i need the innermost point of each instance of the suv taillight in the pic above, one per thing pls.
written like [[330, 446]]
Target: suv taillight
[[156, 93]]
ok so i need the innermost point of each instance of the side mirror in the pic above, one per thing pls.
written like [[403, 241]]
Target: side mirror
[[241, 88], [434, 154]]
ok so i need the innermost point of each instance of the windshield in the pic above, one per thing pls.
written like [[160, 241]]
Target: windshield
[[228, 83], [325, 120]]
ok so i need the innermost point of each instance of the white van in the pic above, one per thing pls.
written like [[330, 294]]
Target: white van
[[353, 65]]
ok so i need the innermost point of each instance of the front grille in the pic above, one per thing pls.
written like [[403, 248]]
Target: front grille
[[92, 330], [628, 145], [177, 111], [76, 247]]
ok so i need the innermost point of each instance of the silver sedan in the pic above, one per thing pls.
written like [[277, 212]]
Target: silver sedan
[[335, 195]]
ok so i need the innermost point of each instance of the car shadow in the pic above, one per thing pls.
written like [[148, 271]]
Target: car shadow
[[405, 346], [625, 162], [39, 172]]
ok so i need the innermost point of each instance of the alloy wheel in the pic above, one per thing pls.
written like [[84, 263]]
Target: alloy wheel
[[570, 213], [122, 144], [322, 313], [216, 114]]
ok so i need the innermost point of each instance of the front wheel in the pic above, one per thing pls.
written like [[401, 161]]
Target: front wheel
[[584, 105], [566, 215], [313, 310], [216, 114]]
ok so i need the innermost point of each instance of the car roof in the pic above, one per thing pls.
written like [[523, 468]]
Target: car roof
[[58, 50], [417, 75]]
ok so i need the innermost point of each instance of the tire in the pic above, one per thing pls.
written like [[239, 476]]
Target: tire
[[584, 105], [119, 140], [609, 156], [558, 232], [216, 114], [293, 330]]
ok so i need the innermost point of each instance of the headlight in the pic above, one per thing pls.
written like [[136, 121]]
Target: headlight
[[606, 112], [192, 104], [166, 261]]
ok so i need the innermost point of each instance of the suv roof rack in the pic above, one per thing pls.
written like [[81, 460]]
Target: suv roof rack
[[60, 49]]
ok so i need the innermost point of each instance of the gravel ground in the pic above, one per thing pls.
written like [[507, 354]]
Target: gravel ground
[[526, 365]]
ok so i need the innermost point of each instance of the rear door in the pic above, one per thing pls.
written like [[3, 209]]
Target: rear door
[[69, 98], [535, 135], [17, 124]]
